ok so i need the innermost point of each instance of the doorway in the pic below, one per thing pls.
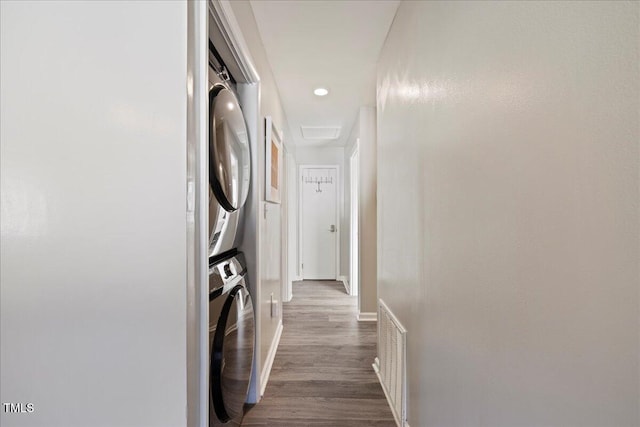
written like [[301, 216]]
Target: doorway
[[319, 233], [354, 223]]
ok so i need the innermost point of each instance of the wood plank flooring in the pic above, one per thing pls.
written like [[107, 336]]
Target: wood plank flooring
[[322, 374]]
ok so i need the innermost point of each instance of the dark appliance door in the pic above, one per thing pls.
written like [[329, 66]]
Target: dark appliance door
[[229, 158], [231, 357]]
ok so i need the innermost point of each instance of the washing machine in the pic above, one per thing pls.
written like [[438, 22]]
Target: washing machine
[[231, 339], [231, 316], [229, 165]]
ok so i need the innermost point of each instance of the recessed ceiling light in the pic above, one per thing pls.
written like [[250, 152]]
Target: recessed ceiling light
[[320, 91]]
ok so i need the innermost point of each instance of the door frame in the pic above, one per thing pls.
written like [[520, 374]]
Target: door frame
[[301, 169], [284, 229], [354, 221], [248, 88], [291, 254]]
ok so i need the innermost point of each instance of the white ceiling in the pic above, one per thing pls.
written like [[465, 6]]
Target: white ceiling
[[333, 44]]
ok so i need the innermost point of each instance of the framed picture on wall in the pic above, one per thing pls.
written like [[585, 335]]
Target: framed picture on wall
[[273, 162]]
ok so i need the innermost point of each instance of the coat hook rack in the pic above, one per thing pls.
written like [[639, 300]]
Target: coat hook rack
[[317, 180]]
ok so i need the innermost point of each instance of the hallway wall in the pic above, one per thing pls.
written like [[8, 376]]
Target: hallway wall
[[270, 216], [364, 129], [508, 140], [93, 263]]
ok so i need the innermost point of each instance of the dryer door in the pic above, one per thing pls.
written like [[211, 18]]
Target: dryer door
[[231, 358], [229, 161]]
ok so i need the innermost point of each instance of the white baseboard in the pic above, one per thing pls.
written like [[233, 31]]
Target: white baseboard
[[298, 279], [368, 316], [266, 370], [345, 282], [287, 295], [376, 369]]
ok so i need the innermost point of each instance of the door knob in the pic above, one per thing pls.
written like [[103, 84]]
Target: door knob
[[332, 228]]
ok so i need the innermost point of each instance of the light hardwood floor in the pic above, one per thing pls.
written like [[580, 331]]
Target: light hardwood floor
[[322, 374]]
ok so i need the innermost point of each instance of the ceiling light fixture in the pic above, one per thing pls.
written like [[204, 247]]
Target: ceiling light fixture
[[320, 91]]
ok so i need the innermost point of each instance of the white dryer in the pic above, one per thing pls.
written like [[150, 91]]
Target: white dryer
[[229, 165]]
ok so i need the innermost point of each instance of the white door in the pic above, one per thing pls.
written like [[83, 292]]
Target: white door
[[319, 221]]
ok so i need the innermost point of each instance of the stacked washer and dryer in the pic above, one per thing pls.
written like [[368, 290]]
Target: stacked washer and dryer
[[231, 316]]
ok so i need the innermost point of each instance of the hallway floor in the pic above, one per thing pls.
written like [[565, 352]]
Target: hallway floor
[[322, 374]]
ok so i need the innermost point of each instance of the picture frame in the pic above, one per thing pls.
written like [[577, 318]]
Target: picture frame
[[273, 161]]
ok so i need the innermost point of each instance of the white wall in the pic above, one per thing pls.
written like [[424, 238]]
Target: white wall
[[292, 219], [349, 148], [509, 210], [320, 156], [270, 215], [364, 130], [93, 223]]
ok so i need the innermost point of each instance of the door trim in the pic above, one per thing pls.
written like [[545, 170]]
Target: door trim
[[248, 88], [301, 168], [354, 221], [226, 22], [197, 307], [292, 227]]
